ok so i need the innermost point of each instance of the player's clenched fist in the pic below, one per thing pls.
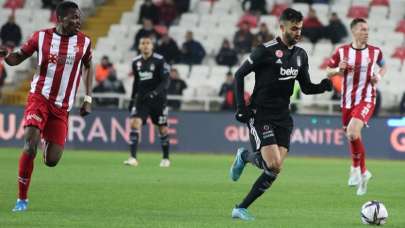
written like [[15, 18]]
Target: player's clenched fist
[[243, 114], [326, 84], [343, 64]]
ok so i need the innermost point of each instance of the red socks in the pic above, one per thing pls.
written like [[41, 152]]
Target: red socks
[[358, 154], [25, 167]]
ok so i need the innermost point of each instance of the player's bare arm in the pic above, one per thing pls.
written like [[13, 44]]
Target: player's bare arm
[[338, 70], [13, 58], [380, 74], [88, 82]]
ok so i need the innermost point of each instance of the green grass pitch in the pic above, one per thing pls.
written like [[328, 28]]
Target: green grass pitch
[[94, 189]]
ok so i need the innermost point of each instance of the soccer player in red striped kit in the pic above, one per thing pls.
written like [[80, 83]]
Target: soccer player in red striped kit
[[64, 54], [357, 63]]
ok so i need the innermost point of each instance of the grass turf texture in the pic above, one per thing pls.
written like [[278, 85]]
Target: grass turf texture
[[93, 189]]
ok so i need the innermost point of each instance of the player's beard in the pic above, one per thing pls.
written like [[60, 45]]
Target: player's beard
[[290, 39]]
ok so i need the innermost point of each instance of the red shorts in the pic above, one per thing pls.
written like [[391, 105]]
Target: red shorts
[[49, 119], [363, 111]]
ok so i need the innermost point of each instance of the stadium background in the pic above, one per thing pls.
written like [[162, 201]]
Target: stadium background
[[200, 125]]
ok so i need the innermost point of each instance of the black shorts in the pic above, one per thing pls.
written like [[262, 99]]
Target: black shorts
[[267, 129], [157, 111]]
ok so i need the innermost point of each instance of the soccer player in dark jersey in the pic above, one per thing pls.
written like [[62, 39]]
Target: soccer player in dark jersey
[[276, 64], [149, 98], [64, 54]]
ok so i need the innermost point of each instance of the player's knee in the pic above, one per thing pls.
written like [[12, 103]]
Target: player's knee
[[274, 165], [51, 163], [271, 172], [352, 135], [31, 146], [277, 165], [163, 130], [136, 123]]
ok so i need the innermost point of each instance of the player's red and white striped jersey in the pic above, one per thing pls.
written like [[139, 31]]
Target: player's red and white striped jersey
[[59, 67], [357, 84]]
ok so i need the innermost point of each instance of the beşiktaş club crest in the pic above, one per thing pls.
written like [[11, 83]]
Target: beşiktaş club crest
[[139, 65], [279, 53], [152, 67], [298, 61]]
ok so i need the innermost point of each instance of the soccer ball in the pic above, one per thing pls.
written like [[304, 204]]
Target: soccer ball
[[374, 213]]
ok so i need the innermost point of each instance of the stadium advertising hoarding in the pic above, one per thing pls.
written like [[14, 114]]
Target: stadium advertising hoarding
[[107, 129]]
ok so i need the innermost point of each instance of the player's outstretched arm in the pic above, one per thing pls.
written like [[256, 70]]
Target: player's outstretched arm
[[13, 58], [88, 73], [331, 72], [339, 70], [308, 87]]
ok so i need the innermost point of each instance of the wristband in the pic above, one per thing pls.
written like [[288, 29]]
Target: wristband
[[87, 99], [334, 70]]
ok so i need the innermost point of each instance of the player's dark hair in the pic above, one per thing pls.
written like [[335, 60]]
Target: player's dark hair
[[356, 21], [63, 7], [291, 15], [147, 37]]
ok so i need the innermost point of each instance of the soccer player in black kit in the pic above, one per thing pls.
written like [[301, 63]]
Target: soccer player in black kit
[[277, 64], [149, 98]]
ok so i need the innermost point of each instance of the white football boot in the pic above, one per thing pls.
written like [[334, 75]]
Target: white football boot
[[362, 188], [131, 161], [165, 163], [354, 176]]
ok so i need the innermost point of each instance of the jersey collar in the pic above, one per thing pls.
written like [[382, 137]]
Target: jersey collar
[[359, 49]]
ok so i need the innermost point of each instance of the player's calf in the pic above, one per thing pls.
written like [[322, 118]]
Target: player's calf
[[133, 141], [261, 185], [32, 138], [26, 166], [165, 143], [256, 159]]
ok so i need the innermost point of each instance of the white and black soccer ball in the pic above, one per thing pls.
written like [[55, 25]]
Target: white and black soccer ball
[[374, 213]]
